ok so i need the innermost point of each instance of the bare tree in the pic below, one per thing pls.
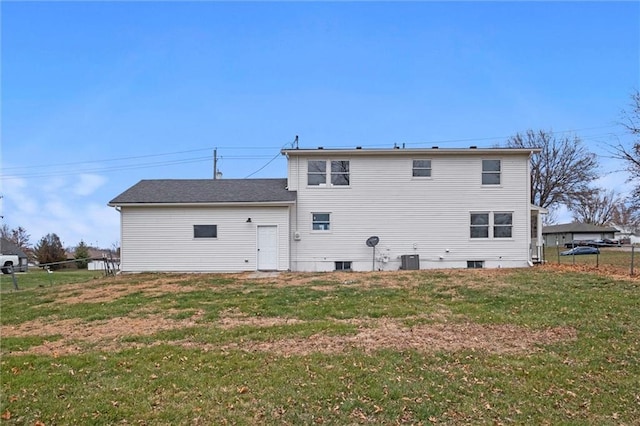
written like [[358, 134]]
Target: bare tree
[[561, 172], [626, 217], [4, 231], [17, 236], [596, 207], [630, 155]]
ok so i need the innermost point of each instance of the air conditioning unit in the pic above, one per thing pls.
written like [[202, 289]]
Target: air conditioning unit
[[409, 262]]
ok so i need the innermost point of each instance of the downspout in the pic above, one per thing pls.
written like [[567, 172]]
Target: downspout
[[295, 245], [529, 241]]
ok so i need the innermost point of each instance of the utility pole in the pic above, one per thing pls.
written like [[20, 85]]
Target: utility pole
[[215, 164]]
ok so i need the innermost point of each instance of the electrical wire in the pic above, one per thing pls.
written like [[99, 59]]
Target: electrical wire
[[21, 171], [292, 143]]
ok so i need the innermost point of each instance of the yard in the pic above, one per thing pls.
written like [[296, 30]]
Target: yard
[[545, 345]]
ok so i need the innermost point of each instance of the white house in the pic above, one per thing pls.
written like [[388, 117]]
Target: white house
[[428, 208]]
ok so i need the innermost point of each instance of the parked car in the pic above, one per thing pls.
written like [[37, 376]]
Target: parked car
[[580, 243], [580, 250]]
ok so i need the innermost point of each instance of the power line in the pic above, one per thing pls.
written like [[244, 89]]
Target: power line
[[107, 160], [293, 143]]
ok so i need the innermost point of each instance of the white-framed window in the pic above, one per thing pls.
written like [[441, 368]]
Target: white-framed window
[[475, 264], [340, 173], [421, 168], [491, 172], [502, 224], [479, 225], [317, 172], [491, 225], [321, 221], [205, 231]]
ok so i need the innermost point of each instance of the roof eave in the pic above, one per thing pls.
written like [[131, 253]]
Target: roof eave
[[410, 151], [206, 204]]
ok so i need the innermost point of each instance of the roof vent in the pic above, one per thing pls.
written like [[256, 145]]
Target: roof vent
[[358, 147], [320, 147], [434, 147], [473, 147]]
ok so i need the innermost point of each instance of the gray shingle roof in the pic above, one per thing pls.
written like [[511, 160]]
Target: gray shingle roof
[[206, 191], [7, 247], [576, 227]]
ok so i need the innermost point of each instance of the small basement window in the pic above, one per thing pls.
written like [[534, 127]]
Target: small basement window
[[205, 231], [475, 264], [343, 266]]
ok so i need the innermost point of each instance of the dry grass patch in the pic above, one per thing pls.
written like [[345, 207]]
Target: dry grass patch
[[390, 334], [373, 334]]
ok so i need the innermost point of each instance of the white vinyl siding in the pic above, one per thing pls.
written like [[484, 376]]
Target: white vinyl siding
[[161, 239], [428, 217]]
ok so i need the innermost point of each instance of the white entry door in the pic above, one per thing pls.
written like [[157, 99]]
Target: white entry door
[[267, 248]]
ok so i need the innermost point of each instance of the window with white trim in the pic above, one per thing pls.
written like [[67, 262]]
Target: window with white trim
[[491, 172], [205, 231], [316, 172], [321, 221], [491, 225], [502, 225], [421, 168], [479, 225], [339, 172]]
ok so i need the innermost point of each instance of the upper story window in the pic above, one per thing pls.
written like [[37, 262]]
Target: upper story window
[[317, 172], [340, 173], [421, 168], [491, 172], [205, 231]]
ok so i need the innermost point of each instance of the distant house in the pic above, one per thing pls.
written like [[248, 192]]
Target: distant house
[[7, 247], [567, 232], [630, 234], [428, 208]]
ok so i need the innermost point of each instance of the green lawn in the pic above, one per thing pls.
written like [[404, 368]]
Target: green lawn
[[37, 277], [523, 346]]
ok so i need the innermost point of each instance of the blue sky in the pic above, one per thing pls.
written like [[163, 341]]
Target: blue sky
[[99, 95]]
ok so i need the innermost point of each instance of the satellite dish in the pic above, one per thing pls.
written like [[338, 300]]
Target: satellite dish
[[373, 241]]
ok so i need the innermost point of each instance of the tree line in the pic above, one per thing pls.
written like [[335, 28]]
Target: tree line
[[48, 249], [564, 172]]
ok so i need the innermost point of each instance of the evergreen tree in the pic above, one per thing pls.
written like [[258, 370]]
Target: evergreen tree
[[82, 253], [49, 249]]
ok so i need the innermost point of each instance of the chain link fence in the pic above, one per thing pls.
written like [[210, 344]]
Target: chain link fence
[[622, 260]]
